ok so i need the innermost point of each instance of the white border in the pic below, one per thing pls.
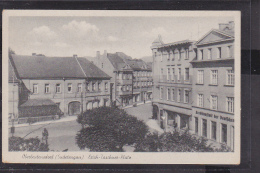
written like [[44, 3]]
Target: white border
[[136, 158]]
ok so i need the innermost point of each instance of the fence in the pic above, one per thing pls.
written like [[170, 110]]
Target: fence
[[31, 120]]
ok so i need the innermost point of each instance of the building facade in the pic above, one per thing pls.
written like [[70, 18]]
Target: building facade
[[172, 77], [73, 84], [131, 80], [142, 80], [213, 86]]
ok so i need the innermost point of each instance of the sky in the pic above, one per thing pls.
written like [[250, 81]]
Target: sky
[[84, 36]]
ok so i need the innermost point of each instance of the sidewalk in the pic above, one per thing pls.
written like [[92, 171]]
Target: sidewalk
[[141, 103], [63, 119]]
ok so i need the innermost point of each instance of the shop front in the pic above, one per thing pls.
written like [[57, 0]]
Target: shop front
[[214, 125]]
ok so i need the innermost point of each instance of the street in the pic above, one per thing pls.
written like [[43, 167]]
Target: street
[[62, 135]]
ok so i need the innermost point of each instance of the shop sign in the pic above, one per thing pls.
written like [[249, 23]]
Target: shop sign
[[215, 116]]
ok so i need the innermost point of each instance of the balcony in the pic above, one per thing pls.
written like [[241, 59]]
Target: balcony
[[172, 79]]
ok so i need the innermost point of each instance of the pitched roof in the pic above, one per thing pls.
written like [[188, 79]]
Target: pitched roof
[[216, 35], [117, 62], [138, 64], [38, 102], [177, 43], [12, 77], [29, 67]]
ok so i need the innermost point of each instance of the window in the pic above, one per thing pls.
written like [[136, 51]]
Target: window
[[173, 73], [219, 52], [168, 56], [127, 87], [172, 94], [161, 71], [187, 74], [200, 77], [213, 130], [179, 95], [179, 74], [229, 55], [196, 125], [172, 56], [69, 87], [93, 86], [79, 88], [230, 77], [58, 88], [186, 96], [200, 100], [179, 57], [87, 86], [230, 104], [223, 133], [168, 94], [106, 86], [161, 93], [47, 88], [99, 86], [204, 127], [186, 53], [214, 77], [214, 102], [201, 54], [161, 57], [35, 88], [209, 54], [168, 74]]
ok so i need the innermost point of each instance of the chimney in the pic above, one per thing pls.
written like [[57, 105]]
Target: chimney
[[75, 56], [33, 54], [231, 25], [222, 26], [98, 54]]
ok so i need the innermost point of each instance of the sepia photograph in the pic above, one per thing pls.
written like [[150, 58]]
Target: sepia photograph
[[142, 87]]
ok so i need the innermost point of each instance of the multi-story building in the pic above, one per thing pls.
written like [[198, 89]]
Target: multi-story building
[[213, 85], [73, 84], [121, 89], [172, 77], [142, 80]]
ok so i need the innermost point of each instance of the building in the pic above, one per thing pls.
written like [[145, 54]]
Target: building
[[172, 77], [73, 84], [121, 88], [131, 80], [142, 80], [213, 86]]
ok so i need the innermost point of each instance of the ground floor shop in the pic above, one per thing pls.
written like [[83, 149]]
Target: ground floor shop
[[214, 125]]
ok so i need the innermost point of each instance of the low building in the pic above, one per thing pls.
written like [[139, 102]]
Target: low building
[[213, 86], [73, 84], [172, 77]]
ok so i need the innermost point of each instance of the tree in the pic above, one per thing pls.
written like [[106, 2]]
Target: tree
[[109, 129], [172, 142], [31, 144]]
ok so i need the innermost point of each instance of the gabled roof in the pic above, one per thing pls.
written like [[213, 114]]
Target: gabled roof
[[138, 64], [12, 76], [117, 62], [30, 67], [216, 35]]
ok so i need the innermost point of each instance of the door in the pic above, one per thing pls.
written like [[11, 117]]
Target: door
[[74, 108]]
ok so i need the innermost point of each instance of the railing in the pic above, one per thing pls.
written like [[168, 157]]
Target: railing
[[31, 120]]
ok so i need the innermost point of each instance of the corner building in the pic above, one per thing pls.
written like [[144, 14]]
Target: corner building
[[172, 77], [213, 86]]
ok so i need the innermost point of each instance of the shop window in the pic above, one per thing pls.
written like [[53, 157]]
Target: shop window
[[204, 127], [223, 133], [213, 130]]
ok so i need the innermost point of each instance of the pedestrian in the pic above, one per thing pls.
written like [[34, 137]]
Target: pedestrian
[[45, 135]]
